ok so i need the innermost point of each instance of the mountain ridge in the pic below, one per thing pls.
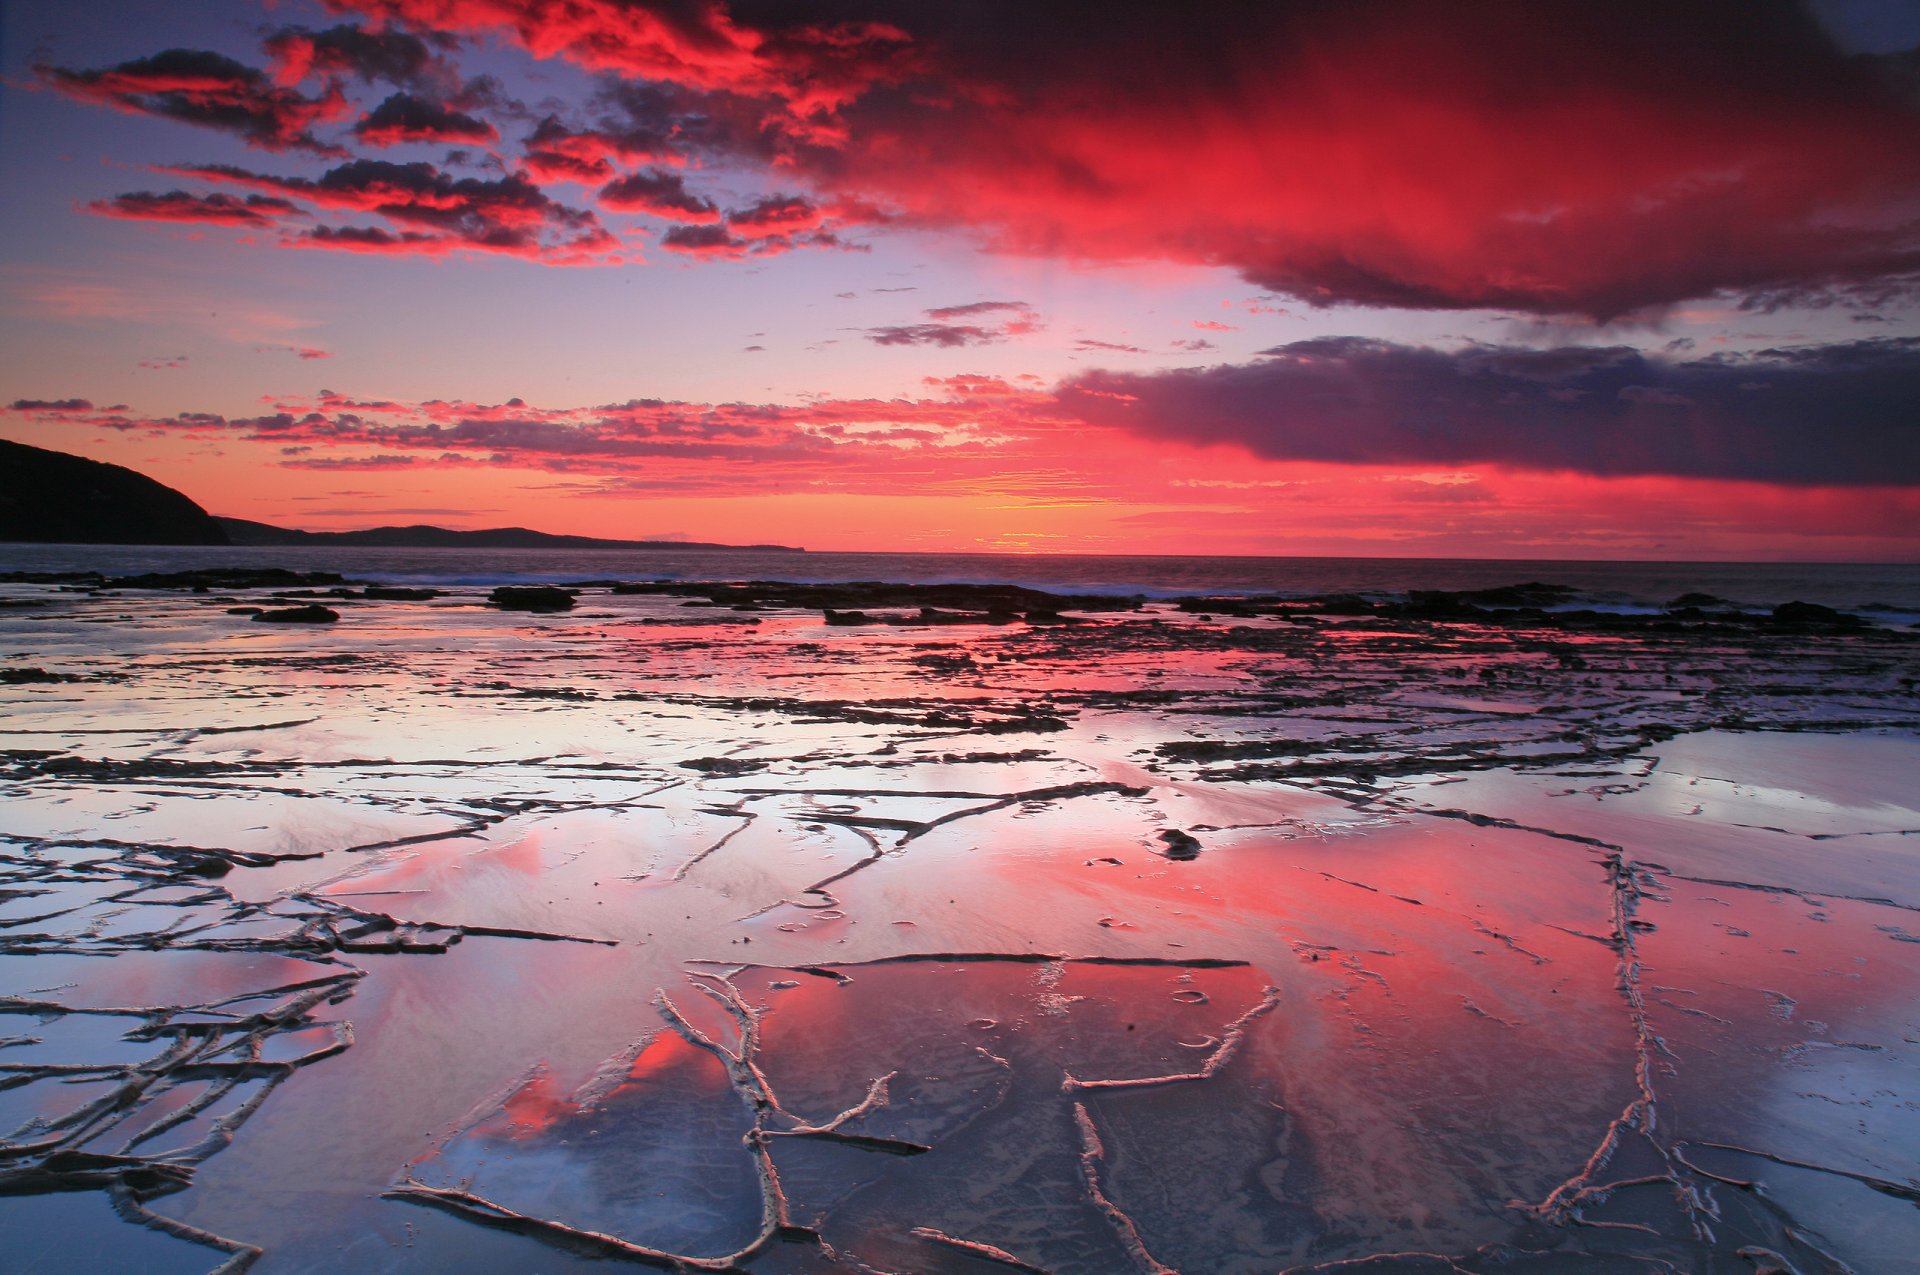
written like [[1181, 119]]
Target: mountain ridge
[[53, 497], [242, 531]]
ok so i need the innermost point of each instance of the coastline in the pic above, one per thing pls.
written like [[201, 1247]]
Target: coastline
[[1890, 593]]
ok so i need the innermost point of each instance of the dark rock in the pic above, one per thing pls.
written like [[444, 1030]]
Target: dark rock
[[33, 676], [393, 593], [1038, 724], [245, 610], [226, 578], [1815, 614], [1696, 600], [50, 497], [540, 598], [1208, 607], [724, 765], [313, 613], [1531, 594], [51, 577], [1181, 846]]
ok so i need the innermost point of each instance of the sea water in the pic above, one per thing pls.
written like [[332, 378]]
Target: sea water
[[1889, 592]]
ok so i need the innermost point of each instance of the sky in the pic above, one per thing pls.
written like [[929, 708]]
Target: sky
[[1508, 279]]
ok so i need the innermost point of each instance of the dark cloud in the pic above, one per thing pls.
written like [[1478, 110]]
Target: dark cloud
[[558, 166], [405, 118], [178, 205], [1088, 343], [209, 90], [947, 335], [1811, 415], [776, 215], [51, 405], [388, 55], [486, 93], [387, 461], [660, 193], [720, 240], [943, 331], [437, 212], [371, 239], [703, 241], [941, 314]]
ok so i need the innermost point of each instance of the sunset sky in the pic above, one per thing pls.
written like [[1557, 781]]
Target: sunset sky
[[1511, 278]]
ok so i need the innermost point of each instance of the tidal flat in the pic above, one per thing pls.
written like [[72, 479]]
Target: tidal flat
[[774, 929]]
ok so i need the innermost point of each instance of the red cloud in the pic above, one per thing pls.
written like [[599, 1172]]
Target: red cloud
[[809, 67], [555, 152], [1592, 159], [1596, 159], [554, 166]]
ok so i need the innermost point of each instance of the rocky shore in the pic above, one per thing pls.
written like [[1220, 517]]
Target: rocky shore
[[781, 927]]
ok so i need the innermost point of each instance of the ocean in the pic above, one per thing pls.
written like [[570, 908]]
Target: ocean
[[1889, 593]]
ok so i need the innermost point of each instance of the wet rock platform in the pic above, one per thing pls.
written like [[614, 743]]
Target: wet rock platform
[[707, 928]]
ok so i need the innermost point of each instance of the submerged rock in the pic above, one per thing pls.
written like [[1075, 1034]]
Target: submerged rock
[[313, 613]]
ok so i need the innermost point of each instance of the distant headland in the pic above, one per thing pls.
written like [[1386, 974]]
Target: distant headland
[[241, 532], [50, 497]]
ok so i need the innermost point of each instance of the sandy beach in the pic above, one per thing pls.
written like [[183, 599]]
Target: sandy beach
[[711, 928]]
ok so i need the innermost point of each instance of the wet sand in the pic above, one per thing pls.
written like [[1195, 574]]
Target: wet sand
[[781, 932]]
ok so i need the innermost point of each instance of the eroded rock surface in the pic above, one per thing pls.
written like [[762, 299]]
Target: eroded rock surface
[[1002, 933]]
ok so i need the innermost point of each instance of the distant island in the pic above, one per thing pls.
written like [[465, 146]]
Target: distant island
[[50, 497]]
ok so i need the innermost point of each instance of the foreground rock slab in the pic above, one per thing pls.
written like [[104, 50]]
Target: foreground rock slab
[[1206, 936]]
